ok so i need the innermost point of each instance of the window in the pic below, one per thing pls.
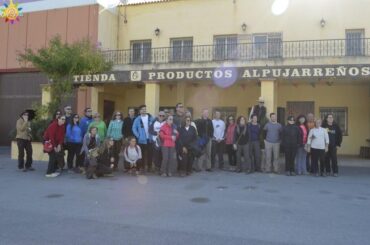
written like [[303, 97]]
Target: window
[[141, 51], [355, 42], [181, 50], [340, 116], [267, 46], [225, 47], [225, 112]]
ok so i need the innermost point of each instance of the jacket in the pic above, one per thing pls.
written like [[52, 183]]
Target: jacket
[[74, 134], [23, 129], [187, 137], [55, 134], [139, 130], [84, 124], [241, 135], [128, 122], [102, 128], [291, 136], [166, 132], [115, 129], [335, 134], [205, 128], [86, 141]]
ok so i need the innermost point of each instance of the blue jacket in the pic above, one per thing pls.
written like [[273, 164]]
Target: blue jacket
[[74, 134], [84, 124], [139, 130]]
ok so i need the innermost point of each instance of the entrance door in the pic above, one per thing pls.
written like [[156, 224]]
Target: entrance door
[[108, 110], [296, 108]]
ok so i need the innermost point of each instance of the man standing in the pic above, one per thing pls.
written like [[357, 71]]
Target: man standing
[[178, 118], [259, 110], [218, 143], [86, 120], [272, 143], [254, 144], [205, 132], [24, 142], [68, 114], [140, 128], [335, 140], [127, 124]]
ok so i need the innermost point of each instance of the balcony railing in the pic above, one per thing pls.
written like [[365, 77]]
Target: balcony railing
[[242, 51]]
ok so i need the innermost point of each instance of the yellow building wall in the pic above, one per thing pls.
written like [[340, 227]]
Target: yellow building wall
[[354, 96], [202, 19], [108, 29]]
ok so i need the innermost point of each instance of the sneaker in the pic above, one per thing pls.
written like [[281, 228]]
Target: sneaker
[[70, 171], [335, 175], [94, 176], [209, 170], [323, 174], [137, 172], [53, 175], [24, 170], [292, 174], [109, 175], [182, 175], [169, 175], [164, 175], [30, 169], [287, 173]]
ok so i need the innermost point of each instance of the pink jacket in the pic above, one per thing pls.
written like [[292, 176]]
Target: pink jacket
[[165, 134]]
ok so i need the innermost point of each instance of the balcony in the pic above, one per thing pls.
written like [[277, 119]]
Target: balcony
[[276, 50]]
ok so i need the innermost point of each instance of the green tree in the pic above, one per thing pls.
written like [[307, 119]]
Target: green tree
[[60, 62]]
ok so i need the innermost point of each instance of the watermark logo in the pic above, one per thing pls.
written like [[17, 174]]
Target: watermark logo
[[11, 12]]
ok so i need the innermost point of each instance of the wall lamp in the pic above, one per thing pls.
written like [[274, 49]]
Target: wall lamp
[[244, 27], [157, 31], [322, 22]]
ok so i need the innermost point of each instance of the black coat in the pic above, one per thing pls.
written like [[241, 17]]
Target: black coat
[[105, 157], [335, 134], [127, 127], [241, 135], [187, 137], [291, 136], [204, 127]]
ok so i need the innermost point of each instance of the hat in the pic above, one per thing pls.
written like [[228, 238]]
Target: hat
[[261, 99]]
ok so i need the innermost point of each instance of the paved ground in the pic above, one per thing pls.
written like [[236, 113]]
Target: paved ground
[[206, 208]]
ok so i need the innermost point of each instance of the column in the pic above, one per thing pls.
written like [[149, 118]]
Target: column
[[269, 93], [180, 98], [152, 97], [95, 98]]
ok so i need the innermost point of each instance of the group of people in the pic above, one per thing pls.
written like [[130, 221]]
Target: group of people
[[169, 144]]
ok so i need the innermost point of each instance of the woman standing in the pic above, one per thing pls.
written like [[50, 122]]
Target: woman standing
[[335, 140], [100, 125], [254, 130], [168, 136], [318, 141], [115, 132], [230, 131], [91, 142], [241, 145], [187, 138], [24, 142], [301, 166], [291, 139], [55, 135], [74, 143]]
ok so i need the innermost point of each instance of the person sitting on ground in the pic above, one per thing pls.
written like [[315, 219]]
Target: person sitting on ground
[[105, 160], [132, 157]]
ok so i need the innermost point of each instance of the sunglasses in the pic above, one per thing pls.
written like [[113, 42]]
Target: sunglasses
[[161, 115], [62, 119]]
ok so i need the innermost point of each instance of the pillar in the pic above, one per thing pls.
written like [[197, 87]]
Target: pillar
[[152, 97], [180, 98], [95, 98], [269, 93]]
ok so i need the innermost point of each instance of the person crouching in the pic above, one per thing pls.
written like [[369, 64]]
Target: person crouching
[[133, 157]]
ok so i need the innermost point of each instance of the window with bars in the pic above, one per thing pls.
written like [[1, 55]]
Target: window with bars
[[141, 51], [340, 115], [225, 47], [355, 42], [181, 49], [267, 46]]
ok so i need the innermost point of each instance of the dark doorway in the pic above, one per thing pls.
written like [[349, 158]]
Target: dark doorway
[[296, 108], [108, 110]]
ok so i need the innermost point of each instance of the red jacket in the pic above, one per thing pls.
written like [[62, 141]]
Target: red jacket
[[166, 133], [55, 133]]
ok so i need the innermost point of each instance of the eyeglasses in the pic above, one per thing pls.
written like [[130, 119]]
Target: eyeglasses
[[62, 119], [188, 120]]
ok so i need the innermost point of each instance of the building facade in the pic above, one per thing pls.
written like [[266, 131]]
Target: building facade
[[225, 54]]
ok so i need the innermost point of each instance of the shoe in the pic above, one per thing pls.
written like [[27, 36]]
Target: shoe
[[238, 170], [169, 175], [70, 171], [292, 174], [30, 169], [209, 170], [335, 175], [323, 174], [109, 175], [287, 173], [137, 172], [82, 171], [182, 175], [94, 176], [24, 170], [164, 175], [232, 168], [53, 175]]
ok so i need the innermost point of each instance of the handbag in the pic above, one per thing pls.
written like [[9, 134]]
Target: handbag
[[94, 153], [47, 146]]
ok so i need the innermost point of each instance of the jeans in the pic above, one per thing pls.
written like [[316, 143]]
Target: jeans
[[331, 157], [255, 155], [139, 165], [157, 157], [316, 156], [301, 161], [169, 161], [52, 165], [290, 153], [74, 150], [186, 162], [205, 157], [117, 145], [24, 145], [231, 153], [244, 165], [147, 153], [217, 149]]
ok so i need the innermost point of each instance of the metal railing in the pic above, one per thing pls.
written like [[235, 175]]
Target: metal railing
[[242, 51]]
